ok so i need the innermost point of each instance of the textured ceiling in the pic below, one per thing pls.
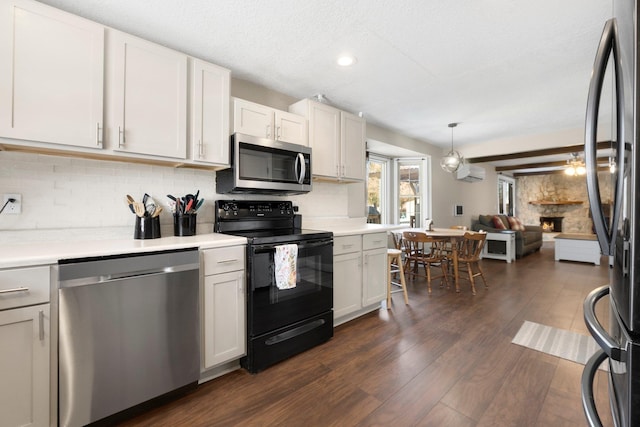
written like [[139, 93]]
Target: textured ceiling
[[500, 68]]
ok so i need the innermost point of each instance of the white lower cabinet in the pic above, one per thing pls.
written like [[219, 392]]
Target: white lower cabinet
[[374, 276], [359, 274], [223, 302], [25, 342], [347, 273]]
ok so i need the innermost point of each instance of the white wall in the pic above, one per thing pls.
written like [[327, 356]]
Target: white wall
[[64, 192]]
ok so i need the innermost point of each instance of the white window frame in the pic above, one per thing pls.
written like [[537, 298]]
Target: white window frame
[[385, 197], [425, 187], [502, 180]]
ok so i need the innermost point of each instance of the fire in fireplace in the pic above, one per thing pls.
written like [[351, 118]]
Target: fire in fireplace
[[551, 224]]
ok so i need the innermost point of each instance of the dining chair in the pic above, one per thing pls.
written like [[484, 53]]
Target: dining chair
[[424, 251], [449, 247], [469, 251]]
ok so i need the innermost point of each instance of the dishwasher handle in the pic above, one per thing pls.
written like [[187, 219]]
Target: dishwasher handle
[[93, 280]]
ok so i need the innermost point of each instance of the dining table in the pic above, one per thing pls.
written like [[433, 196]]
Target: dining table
[[455, 235]]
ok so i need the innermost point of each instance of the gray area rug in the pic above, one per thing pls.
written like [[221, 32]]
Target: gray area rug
[[557, 342]]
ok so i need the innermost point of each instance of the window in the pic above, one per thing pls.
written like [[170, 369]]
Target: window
[[377, 189], [506, 195], [411, 173]]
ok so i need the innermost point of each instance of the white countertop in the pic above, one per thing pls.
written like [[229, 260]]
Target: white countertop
[[347, 226], [41, 253], [66, 244], [347, 230]]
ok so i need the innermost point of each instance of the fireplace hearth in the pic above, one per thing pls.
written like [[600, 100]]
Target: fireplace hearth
[[551, 224]]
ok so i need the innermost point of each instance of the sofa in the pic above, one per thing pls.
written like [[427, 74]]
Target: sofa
[[528, 237]]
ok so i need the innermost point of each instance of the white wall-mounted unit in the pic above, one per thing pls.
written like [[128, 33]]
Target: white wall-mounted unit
[[470, 173]]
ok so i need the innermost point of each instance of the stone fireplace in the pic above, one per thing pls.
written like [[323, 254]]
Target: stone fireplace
[[551, 224], [558, 195]]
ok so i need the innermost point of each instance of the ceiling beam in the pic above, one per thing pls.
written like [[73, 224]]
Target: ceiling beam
[[535, 153], [556, 172], [540, 165]]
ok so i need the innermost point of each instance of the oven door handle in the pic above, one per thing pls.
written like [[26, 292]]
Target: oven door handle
[[303, 245], [315, 244], [586, 386]]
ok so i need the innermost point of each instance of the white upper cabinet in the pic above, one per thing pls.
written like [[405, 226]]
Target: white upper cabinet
[[337, 139], [290, 127], [51, 75], [147, 97], [266, 122], [209, 113], [353, 146], [324, 131], [252, 119]]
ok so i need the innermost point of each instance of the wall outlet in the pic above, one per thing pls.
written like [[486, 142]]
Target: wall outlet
[[12, 208]]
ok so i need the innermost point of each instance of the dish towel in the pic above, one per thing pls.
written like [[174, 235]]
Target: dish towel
[[286, 259]]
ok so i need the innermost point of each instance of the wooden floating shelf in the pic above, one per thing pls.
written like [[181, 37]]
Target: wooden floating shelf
[[556, 202]]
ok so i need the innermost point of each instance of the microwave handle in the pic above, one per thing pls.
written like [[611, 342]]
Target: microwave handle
[[301, 170]]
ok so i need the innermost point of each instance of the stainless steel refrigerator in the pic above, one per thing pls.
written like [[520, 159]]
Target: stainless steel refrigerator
[[616, 221]]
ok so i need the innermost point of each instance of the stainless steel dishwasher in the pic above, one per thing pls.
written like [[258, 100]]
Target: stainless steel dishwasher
[[128, 332]]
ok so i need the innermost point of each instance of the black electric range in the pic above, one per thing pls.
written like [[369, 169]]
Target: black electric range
[[281, 322]]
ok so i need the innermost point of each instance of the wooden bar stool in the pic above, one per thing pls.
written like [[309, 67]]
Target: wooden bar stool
[[394, 258]]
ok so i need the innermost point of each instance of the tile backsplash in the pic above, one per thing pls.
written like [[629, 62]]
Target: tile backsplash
[[72, 193]]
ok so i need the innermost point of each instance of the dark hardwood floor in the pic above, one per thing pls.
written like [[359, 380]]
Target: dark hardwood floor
[[444, 360]]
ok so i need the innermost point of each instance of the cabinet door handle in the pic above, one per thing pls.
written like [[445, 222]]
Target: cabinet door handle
[[227, 261], [98, 135], [278, 132], [240, 282], [268, 131], [12, 290], [200, 148], [121, 138], [41, 324]]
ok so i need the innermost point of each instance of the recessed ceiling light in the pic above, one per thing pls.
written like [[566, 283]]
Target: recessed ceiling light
[[346, 60]]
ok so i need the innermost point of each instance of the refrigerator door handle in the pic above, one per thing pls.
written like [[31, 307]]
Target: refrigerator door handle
[[598, 332], [608, 44], [586, 386]]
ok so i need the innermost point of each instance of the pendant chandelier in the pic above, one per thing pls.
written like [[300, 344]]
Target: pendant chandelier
[[575, 166], [453, 160]]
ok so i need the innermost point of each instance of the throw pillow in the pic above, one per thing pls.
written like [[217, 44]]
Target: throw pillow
[[497, 223], [515, 223], [486, 220]]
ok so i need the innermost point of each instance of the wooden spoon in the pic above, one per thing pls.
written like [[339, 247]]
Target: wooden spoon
[[139, 208]]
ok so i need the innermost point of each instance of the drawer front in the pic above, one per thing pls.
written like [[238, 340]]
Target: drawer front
[[374, 241], [347, 244], [223, 260], [24, 286]]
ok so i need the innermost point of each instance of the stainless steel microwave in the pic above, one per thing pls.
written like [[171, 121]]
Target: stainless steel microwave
[[265, 166]]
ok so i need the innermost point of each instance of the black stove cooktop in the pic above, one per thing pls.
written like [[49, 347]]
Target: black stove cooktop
[[262, 222]]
